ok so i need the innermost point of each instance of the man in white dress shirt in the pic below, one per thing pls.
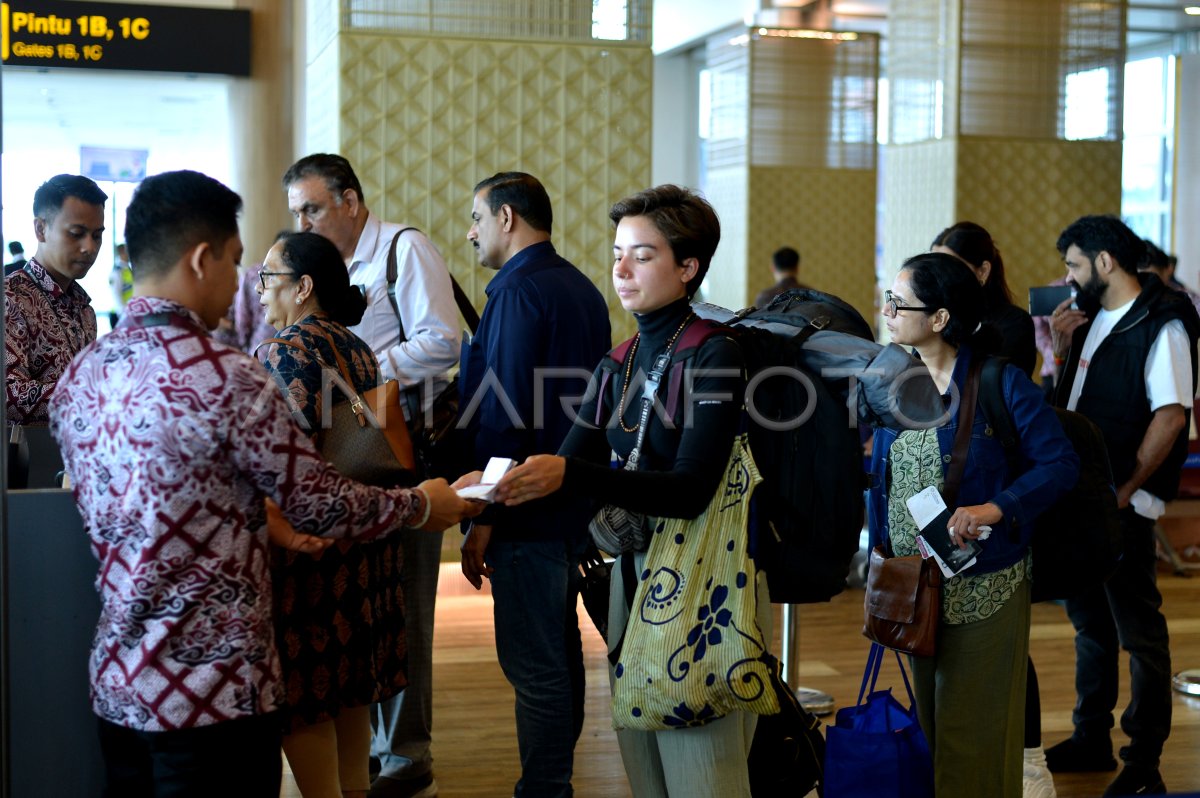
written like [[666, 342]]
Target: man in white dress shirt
[[417, 341]]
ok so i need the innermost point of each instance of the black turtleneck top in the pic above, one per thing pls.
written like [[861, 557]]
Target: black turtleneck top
[[680, 467]]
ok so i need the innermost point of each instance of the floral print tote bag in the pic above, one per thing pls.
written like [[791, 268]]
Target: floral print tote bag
[[693, 651]]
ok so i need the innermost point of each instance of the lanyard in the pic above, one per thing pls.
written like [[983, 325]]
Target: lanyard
[[162, 318]]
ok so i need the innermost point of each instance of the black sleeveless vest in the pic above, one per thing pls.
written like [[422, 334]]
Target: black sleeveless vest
[[1114, 395]]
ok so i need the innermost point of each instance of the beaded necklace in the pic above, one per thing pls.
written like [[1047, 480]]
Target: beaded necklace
[[637, 339]]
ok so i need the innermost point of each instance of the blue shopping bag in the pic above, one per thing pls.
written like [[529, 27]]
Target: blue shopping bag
[[876, 749]]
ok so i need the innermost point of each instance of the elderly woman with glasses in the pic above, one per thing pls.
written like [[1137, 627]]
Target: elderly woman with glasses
[[971, 692], [339, 620]]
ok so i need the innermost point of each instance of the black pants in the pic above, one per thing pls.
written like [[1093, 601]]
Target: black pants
[[235, 758], [1125, 613]]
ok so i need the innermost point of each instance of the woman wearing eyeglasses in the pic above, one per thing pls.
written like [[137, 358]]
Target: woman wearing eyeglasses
[[971, 692], [339, 622], [1018, 343]]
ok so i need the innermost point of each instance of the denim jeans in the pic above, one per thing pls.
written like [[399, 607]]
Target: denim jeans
[[1124, 613], [534, 589]]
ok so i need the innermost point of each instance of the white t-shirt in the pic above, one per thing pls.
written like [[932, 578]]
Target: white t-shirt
[[1167, 375]]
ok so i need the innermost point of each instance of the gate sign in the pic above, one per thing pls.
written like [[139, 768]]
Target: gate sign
[[119, 166], [56, 33]]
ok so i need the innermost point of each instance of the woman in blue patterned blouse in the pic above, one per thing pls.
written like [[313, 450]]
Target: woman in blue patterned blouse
[[338, 617]]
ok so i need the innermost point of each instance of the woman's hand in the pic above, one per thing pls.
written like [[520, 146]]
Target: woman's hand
[[964, 524], [282, 534], [540, 475]]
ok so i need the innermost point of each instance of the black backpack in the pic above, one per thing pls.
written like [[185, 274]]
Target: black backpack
[[808, 512], [787, 754], [807, 515], [1077, 541]]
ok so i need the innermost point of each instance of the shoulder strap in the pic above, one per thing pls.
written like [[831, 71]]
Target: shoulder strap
[[620, 352], [341, 377], [692, 339], [697, 333], [648, 393], [991, 398], [460, 297], [616, 356], [962, 436]]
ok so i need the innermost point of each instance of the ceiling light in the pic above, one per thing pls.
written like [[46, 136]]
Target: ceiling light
[[1193, 10], [794, 33]]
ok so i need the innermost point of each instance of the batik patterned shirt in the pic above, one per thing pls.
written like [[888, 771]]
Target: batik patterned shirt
[[44, 327], [173, 441]]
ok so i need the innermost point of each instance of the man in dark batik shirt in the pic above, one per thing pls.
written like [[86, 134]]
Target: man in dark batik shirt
[[174, 442], [49, 317]]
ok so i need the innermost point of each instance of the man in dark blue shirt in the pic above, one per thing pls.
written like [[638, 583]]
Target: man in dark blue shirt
[[543, 330]]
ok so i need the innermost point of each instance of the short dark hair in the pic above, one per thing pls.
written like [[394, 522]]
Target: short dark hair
[[1096, 234], [172, 212], [522, 192], [685, 219], [974, 244], [945, 281], [316, 256], [50, 196], [335, 170], [786, 259], [15, 247]]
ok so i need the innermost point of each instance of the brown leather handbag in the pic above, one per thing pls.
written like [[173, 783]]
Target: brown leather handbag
[[903, 604]]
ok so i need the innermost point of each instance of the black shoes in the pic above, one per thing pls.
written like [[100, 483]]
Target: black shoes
[[422, 786], [1073, 755], [1135, 780]]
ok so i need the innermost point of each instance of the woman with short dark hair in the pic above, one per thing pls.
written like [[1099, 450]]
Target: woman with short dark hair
[[663, 245]]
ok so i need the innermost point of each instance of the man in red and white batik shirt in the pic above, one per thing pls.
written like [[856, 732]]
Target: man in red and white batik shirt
[[173, 442], [48, 316]]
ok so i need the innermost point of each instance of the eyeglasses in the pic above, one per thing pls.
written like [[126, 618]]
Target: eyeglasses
[[891, 305], [262, 277]]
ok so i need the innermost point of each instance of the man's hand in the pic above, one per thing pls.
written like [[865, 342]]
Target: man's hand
[[1063, 323], [540, 475], [473, 547], [445, 506], [467, 480], [282, 534], [1165, 425]]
